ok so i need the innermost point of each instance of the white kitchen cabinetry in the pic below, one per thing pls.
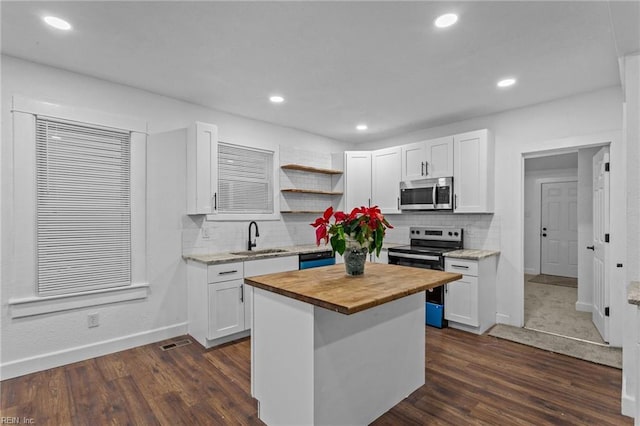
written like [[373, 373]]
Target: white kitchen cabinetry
[[473, 172], [357, 187], [202, 168], [386, 166], [428, 159], [215, 302], [219, 303], [470, 303]]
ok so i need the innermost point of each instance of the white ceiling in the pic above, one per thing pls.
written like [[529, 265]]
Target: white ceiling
[[336, 63]]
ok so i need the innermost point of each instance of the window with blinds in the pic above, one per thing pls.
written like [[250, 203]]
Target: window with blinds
[[83, 207], [245, 180]]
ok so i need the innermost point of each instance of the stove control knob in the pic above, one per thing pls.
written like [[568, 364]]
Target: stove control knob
[[450, 233], [455, 233]]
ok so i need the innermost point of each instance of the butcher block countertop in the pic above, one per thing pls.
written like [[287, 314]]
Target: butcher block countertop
[[330, 288]]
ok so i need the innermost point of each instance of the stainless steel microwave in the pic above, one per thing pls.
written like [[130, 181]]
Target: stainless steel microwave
[[427, 194]]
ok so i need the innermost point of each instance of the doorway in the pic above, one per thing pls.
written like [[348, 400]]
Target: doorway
[[558, 220]]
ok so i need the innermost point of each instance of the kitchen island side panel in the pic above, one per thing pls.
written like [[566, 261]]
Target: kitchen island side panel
[[366, 363], [282, 357]]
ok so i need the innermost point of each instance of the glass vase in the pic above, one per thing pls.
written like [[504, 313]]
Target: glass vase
[[355, 256]]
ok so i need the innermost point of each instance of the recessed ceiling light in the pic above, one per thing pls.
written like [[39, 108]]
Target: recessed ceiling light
[[362, 127], [276, 99], [506, 82], [58, 23], [446, 20]]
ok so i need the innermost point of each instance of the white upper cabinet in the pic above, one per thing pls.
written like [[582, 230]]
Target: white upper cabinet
[[439, 160], [357, 175], [428, 159], [473, 172], [386, 175], [202, 168], [413, 158]]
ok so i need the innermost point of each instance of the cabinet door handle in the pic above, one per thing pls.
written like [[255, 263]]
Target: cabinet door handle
[[455, 202], [422, 168], [215, 201], [591, 248], [228, 272], [398, 203], [426, 168], [459, 266], [242, 293], [446, 288], [369, 205]]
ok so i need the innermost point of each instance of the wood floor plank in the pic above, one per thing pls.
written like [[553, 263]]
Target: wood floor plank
[[470, 380]]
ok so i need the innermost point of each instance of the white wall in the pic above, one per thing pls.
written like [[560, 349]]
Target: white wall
[[553, 127], [532, 211], [43, 341], [631, 348]]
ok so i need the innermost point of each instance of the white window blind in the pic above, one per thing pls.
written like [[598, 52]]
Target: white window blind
[[83, 207], [245, 180]]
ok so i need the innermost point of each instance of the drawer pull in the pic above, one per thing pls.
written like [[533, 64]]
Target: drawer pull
[[460, 266], [228, 272]]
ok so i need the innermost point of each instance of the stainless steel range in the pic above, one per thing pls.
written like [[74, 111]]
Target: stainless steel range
[[428, 245], [427, 249]]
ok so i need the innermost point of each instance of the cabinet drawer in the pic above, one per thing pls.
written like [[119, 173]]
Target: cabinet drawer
[[225, 272], [461, 266]]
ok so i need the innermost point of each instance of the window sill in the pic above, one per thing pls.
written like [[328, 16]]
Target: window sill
[[31, 306]]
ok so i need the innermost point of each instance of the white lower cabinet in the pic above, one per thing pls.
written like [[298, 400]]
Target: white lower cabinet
[[219, 303], [226, 309], [470, 303]]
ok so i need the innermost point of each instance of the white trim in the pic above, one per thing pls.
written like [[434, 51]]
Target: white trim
[[628, 406], [28, 365], [584, 307], [31, 306], [531, 271], [503, 319], [83, 115]]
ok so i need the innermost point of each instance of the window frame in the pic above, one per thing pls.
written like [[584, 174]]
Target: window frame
[[275, 170], [24, 299]]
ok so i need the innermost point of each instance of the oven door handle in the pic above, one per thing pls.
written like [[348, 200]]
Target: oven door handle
[[414, 256]]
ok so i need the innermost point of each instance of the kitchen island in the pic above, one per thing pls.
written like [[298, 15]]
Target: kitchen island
[[327, 348]]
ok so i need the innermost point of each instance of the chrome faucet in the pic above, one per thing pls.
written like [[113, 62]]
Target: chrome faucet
[[253, 244]]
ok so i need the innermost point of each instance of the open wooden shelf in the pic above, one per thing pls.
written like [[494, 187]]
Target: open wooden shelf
[[302, 168], [310, 191]]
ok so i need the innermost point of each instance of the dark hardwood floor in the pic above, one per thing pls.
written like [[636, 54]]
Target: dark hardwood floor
[[470, 380]]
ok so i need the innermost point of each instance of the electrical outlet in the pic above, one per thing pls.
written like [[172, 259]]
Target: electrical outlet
[[93, 320], [205, 234]]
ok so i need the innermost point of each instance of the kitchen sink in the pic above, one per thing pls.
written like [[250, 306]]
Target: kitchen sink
[[258, 252]]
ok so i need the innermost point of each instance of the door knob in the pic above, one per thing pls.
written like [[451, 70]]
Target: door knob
[[591, 248]]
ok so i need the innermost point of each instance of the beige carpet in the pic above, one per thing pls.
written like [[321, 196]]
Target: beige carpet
[[555, 280], [588, 351], [552, 308], [549, 315]]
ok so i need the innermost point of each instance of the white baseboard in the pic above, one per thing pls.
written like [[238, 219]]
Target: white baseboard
[[531, 271], [583, 307], [503, 319], [628, 406], [80, 353]]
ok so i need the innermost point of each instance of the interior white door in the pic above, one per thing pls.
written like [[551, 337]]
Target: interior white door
[[559, 229], [600, 245]]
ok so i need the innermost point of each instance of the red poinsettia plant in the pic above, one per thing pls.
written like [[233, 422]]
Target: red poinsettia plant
[[366, 225]]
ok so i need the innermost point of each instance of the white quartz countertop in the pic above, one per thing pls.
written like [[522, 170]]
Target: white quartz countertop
[[633, 293], [471, 254]]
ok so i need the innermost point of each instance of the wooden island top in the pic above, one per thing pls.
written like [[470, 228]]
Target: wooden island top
[[329, 287]]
